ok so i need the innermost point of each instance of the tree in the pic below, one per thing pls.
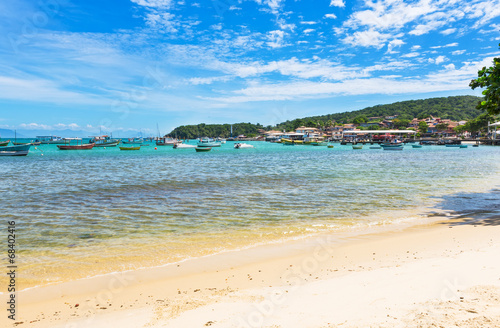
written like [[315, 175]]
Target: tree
[[360, 119], [423, 127], [442, 126], [489, 78]]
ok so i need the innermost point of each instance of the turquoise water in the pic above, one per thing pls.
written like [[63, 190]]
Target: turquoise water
[[88, 212]]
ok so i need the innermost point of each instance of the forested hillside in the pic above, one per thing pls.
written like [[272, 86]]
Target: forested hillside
[[456, 108]]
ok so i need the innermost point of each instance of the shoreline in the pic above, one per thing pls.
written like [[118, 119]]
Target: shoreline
[[237, 282]]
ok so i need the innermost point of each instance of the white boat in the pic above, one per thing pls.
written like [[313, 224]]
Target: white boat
[[50, 140], [205, 142], [242, 145], [183, 146]]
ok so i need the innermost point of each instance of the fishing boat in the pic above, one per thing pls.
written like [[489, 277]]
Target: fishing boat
[[290, 141], [135, 141], [400, 147], [203, 149], [206, 142], [242, 145], [104, 141], [166, 142], [21, 150], [357, 146], [183, 146], [76, 145], [130, 147], [50, 140]]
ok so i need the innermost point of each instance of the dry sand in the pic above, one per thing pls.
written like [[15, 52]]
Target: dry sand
[[436, 275]]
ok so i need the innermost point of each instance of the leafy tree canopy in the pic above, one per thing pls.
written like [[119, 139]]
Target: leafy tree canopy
[[489, 78]]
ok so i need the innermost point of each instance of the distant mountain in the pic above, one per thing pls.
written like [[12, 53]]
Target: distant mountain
[[4, 134], [23, 133]]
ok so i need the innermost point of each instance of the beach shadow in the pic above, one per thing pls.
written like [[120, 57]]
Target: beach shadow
[[479, 209]]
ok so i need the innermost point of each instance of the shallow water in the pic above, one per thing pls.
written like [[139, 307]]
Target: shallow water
[[83, 213]]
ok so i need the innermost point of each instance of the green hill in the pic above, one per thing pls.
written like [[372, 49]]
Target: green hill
[[455, 108]]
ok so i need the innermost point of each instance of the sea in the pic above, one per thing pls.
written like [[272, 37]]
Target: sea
[[84, 213]]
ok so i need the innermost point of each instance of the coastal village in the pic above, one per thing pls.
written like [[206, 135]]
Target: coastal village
[[436, 127]]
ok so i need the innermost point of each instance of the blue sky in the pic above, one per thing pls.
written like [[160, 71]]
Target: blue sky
[[127, 66]]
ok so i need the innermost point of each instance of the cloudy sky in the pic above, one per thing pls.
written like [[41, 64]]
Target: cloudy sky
[[127, 66]]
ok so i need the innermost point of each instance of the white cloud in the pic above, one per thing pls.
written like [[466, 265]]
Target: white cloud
[[308, 23], [458, 52], [309, 30], [332, 16], [153, 3], [369, 38], [440, 59], [276, 39], [448, 31], [393, 44], [337, 3], [162, 21]]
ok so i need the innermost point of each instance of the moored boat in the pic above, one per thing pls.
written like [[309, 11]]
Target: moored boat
[[206, 142], [135, 141], [242, 145], [50, 140], [4, 143], [416, 146], [104, 141], [77, 145], [130, 147], [375, 147], [166, 142], [21, 150], [357, 146], [183, 146], [203, 149]]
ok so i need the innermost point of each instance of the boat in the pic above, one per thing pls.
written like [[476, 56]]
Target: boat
[[77, 145], [135, 141], [357, 146], [4, 143], [330, 146], [183, 146], [166, 142], [375, 147], [463, 146], [50, 140], [319, 143], [104, 141], [242, 145], [475, 145], [203, 149], [130, 147], [416, 146], [453, 145], [400, 147], [206, 142], [21, 150], [291, 141]]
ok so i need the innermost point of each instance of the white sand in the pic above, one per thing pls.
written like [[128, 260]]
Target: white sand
[[431, 276]]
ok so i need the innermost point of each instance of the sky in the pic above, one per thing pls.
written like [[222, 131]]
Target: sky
[[133, 67]]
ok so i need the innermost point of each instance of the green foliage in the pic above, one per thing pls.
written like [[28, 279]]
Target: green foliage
[[455, 108], [215, 130], [480, 123], [423, 127], [489, 78]]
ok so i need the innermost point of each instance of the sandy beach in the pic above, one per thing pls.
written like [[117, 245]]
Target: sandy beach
[[441, 274]]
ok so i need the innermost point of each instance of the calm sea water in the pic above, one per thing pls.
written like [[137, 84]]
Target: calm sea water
[[83, 213]]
